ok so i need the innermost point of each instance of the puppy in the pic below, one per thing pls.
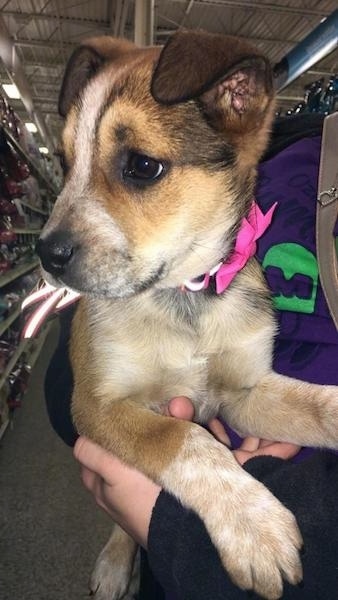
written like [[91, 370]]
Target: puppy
[[161, 148]]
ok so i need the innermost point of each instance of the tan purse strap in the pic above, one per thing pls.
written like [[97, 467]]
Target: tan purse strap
[[327, 211]]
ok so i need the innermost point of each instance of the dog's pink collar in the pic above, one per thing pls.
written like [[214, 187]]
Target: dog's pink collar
[[251, 229]]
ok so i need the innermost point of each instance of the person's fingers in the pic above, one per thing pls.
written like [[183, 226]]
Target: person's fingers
[[242, 456], [263, 443], [280, 450], [250, 444], [88, 478], [219, 432], [181, 408], [96, 459], [97, 486], [284, 450], [88, 454]]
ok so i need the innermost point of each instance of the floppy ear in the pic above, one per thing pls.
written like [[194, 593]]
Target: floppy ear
[[85, 62], [232, 79]]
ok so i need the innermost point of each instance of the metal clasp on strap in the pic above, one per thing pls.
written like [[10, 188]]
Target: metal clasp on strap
[[331, 195]]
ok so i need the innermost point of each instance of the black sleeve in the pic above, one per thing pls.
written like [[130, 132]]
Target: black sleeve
[[186, 564], [58, 384]]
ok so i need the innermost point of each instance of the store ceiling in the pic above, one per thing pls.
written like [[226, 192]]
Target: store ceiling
[[46, 31]]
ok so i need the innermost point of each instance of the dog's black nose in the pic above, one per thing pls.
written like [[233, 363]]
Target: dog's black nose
[[55, 252]]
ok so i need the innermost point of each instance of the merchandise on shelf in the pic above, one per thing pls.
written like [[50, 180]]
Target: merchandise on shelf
[[24, 208], [32, 192], [17, 382], [9, 119], [318, 97]]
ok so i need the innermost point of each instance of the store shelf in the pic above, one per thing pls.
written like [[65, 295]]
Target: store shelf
[[13, 360], [33, 208], [23, 231], [31, 360], [32, 164], [24, 351], [4, 325], [13, 274]]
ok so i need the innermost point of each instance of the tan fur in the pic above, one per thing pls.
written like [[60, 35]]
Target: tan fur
[[125, 582], [137, 339]]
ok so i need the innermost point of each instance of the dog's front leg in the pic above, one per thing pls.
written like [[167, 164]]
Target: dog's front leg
[[257, 538], [115, 575], [285, 409]]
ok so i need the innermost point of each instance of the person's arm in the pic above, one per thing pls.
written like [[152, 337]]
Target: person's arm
[[181, 555]]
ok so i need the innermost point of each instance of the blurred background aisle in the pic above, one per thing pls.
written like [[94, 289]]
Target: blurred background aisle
[[50, 529]]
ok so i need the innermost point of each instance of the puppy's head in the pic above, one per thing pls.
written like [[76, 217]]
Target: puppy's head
[[160, 148]]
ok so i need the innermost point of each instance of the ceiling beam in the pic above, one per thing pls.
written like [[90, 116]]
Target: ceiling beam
[[123, 21], [29, 16], [57, 64], [117, 17], [43, 80], [53, 44], [45, 100], [247, 4], [167, 32], [25, 43], [144, 23]]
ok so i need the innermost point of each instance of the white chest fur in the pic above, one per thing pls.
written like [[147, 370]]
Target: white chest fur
[[142, 350]]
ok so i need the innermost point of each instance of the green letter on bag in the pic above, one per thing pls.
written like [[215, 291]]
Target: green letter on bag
[[293, 259]]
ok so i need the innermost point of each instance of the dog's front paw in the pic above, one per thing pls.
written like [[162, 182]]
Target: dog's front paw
[[112, 581], [116, 572], [258, 540]]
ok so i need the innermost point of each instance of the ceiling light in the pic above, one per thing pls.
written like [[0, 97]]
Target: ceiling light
[[11, 90], [44, 150], [31, 127]]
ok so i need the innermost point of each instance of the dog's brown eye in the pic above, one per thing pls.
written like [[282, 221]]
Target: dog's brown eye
[[142, 169]]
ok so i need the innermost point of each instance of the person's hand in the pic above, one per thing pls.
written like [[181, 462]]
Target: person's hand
[[128, 496], [182, 408], [252, 446], [125, 494]]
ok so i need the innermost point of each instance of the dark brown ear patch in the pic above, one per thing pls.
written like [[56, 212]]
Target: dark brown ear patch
[[192, 62], [83, 65]]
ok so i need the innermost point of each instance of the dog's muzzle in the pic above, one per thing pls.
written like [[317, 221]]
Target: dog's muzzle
[[56, 252]]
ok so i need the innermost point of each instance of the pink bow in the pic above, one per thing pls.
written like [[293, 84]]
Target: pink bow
[[251, 229]]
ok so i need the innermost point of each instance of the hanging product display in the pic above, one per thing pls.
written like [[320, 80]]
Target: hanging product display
[[26, 197], [319, 97]]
